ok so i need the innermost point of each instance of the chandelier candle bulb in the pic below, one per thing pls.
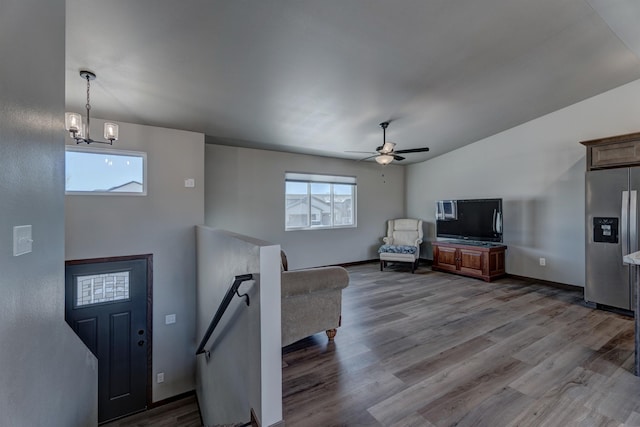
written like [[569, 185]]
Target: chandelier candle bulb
[[73, 121], [111, 131]]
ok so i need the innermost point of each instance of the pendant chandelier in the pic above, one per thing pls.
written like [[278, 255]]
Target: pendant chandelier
[[78, 130]]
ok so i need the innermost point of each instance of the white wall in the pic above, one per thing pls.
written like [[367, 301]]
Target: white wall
[[160, 223], [245, 194], [48, 376], [244, 370], [538, 169]]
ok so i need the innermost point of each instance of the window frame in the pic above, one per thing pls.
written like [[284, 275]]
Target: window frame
[[311, 178], [108, 151]]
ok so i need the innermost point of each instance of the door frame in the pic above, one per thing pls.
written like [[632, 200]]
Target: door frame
[[149, 320]]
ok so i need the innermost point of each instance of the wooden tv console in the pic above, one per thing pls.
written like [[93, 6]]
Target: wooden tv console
[[480, 260]]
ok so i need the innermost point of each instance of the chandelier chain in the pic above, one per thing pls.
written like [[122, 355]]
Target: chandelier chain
[[88, 105]]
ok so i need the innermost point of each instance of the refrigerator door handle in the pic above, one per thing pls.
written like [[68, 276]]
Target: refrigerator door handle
[[624, 219], [633, 221]]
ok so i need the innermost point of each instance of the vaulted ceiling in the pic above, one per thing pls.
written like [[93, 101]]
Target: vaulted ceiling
[[318, 77]]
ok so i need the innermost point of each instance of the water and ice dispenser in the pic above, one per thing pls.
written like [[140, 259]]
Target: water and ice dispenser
[[605, 229]]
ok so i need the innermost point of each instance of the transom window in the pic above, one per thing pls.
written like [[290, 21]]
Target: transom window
[[319, 201], [94, 171]]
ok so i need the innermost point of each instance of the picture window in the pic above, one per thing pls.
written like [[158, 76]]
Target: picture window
[[319, 201]]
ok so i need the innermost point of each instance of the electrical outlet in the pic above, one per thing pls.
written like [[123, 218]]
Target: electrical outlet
[[169, 319], [160, 377], [543, 262]]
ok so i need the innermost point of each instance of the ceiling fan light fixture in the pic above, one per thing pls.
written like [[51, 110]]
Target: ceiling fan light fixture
[[388, 147], [384, 159]]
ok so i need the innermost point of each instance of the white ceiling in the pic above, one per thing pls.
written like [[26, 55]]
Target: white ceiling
[[318, 77]]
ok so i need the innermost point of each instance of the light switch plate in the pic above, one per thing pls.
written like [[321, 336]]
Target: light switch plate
[[22, 241], [189, 183], [169, 319]]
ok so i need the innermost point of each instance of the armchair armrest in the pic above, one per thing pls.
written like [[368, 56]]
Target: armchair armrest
[[388, 240], [418, 241]]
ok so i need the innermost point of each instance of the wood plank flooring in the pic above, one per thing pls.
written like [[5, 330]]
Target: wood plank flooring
[[181, 413], [434, 349]]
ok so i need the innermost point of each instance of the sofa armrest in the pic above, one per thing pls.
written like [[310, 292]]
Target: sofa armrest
[[388, 240], [306, 281]]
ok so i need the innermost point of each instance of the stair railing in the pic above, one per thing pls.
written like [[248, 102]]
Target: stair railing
[[222, 308]]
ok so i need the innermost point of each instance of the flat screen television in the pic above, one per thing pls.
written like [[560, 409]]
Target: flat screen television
[[475, 220]]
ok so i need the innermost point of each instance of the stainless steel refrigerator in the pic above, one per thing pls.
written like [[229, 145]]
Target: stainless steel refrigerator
[[612, 231]]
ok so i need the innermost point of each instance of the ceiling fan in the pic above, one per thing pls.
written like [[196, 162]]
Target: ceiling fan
[[386, 153]]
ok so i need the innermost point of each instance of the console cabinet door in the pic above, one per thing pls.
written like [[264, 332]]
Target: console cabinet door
[[471, 262], [445, 258]]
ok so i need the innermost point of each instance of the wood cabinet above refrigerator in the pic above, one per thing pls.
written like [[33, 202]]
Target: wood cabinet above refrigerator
[[613, 152]]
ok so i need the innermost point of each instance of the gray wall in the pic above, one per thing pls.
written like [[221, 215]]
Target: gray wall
[[245, 194], [48, 376], [160, 223], [244, 370], [538, 169]]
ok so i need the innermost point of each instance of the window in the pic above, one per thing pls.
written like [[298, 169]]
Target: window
[[319, 201], [91, 170], [101, 288]]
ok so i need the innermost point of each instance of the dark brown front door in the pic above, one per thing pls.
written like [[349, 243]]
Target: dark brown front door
[[106, 305]]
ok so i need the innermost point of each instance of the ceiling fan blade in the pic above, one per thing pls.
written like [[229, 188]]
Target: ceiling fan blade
[[412, 150], [361, 152], [396, 157], [367, 158]]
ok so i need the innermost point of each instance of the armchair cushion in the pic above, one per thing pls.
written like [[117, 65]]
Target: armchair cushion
[[398, 249]]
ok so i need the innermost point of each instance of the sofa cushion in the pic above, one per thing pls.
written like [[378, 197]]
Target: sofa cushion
[[305, 281]]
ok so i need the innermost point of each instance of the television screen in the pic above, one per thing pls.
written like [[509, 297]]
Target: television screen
[[478, 219]]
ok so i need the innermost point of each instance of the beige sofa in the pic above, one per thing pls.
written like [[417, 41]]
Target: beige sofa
[[311, 301]]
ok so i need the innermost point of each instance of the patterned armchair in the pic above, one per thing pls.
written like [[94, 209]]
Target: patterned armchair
[[402, 243]]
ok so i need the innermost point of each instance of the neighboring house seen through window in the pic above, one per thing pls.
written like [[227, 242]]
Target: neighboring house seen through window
[[319, 201]]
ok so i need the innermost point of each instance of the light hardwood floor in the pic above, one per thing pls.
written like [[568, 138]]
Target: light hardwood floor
[[434, 349]]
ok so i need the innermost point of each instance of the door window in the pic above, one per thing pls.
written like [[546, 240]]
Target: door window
[[101, 288]]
